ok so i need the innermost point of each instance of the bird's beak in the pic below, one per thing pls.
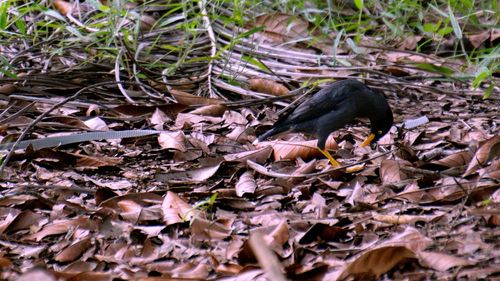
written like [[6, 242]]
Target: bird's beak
[[368, 140]]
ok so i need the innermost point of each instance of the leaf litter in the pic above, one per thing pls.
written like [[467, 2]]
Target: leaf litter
[[199, 201]]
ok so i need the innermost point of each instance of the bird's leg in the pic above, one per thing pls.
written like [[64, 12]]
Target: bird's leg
[[368, 140], [327, 155]]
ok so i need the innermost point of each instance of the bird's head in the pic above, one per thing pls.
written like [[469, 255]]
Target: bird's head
[[380, 125]]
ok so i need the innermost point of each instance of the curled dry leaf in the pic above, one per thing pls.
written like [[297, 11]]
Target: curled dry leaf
[[376, 262], [215, 110], [63, 7], [173, 140], [97, 124], [93, 110], [246, 184], [489, 150], [267, 86], [175, 210], [189, 99]]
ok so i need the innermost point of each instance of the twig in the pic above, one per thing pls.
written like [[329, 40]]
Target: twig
[[117, 77], [213, 44]]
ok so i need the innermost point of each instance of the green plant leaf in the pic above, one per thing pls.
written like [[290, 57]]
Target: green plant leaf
[[488, 92], [435, 69], [454, 23], [257, 63], [4, 8], [359, 4]]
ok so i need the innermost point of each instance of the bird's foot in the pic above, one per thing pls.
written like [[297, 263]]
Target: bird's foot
[[329, 156]]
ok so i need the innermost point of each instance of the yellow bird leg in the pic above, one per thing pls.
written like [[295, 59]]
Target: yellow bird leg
[[368, 140], [327, 155]]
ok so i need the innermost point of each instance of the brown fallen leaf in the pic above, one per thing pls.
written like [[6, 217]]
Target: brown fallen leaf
[[94, 162], [205, 229], [73, 251], [441, 262], [267, 86], [259, 156], [192, 176], [303, 149], [280, 28], [390, 171], [246, 184], [172, 140], [63, 226], [492, 171], [175, 210], [266, 257], [63, 7], [189, 99], [215, 110], [455, 160], [479, 38], [489, 150], [376, 262]]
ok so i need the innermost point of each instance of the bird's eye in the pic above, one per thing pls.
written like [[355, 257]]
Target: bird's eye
[[379, 132]]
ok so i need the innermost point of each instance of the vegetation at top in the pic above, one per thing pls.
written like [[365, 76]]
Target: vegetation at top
[[103, 31]]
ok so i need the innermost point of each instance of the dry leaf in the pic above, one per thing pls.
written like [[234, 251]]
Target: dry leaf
[[293, 150], [175, 210], [205, 229], [279, 28], [376, 262], [173, 140], [489, 150], [390, 171], [259, 156], [215, 110], [441, 262], [63, 7], [246, 184], [189, 99], [73, 251], [192, 176], [267, 86]]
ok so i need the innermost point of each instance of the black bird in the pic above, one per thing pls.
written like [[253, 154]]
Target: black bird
[[332, 108]]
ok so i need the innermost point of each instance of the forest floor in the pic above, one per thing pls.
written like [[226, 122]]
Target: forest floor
[[195, 199]]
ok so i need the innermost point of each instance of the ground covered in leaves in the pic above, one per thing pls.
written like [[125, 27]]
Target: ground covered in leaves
[[196, 200]]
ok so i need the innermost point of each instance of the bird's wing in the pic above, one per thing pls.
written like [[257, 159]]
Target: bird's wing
[[326, 100]]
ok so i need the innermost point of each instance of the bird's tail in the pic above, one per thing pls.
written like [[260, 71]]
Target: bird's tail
[[271, 132]]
